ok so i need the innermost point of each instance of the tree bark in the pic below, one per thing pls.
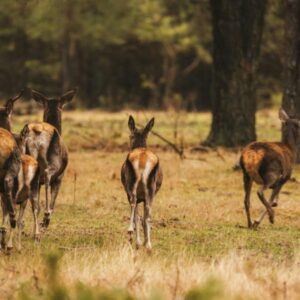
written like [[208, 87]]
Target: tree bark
[[68, 49], [237, 32], [291, 71]]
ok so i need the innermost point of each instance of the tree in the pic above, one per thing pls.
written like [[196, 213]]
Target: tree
[[237, 34], [291, 72], [291, 69]]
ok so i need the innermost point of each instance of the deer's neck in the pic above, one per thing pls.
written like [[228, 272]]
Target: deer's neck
[[289, 139], [5, 124], [138, 144], [53, 118]]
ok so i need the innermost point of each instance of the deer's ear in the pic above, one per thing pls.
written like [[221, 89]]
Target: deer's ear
[[283, 116], [10, 102], [39, 97], [131, 124], [67, 97], [149, 126], [24, 132]]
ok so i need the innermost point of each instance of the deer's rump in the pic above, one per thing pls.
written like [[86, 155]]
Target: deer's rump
[[143, 166], [257, 159]]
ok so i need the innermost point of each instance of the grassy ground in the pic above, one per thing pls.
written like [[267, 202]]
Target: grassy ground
[[201, 248]]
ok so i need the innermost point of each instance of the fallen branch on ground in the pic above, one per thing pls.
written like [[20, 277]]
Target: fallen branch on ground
[[180, 152]]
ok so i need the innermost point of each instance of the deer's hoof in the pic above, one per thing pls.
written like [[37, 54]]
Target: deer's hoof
[[9, 250], [130, 236], [255, 225], [275, 204], [149, 249], [13, 223], [2, 245], [271, 218], [46, 222], [37, 238]]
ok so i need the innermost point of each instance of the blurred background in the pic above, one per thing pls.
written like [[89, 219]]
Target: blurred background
[[136, 53], [222, 56]]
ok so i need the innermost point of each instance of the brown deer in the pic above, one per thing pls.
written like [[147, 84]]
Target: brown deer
[[44, 143], [53, 107], [270, 165], [10, 166], [141, 177], [25, 184]]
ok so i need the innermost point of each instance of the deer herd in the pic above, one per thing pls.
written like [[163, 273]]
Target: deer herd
[[38, 156]]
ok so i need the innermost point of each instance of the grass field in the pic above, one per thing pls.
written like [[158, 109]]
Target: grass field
[[201, 248]]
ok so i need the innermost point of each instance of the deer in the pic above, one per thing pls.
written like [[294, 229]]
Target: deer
[[10, 165], [53, 107], [44, 143], [25, 184], [269, 164], [18, 183], [142, 177]]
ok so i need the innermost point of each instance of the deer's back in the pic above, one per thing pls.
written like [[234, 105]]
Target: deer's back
[[268, 156]]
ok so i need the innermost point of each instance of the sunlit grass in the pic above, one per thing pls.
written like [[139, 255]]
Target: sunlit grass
[[198, 230]]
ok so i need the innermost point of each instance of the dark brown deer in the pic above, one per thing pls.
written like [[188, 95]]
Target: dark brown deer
[[10, 167], [25, 185], [44, 143], [53, 107], [270, 165], [141, 177]]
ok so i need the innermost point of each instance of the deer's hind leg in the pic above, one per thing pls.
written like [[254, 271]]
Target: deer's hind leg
[[132, 196], [35, 205], [273, 198], [247, 188], [3, 229], [137, 226], [20, 222], [270, 179], [54, 190]]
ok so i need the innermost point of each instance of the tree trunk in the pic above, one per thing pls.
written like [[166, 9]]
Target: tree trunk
[[237, 33], [68, 49], [291, 72]]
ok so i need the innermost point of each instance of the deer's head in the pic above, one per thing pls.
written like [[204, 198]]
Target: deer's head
[[138, 137], [290, 128], [53, 106], [6, 111]]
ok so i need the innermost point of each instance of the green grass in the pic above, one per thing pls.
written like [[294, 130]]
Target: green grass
[[198, 221]]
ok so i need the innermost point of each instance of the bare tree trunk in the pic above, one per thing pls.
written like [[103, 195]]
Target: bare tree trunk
[[68, 50], [237, 33], [170, 73], [291, 72]]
